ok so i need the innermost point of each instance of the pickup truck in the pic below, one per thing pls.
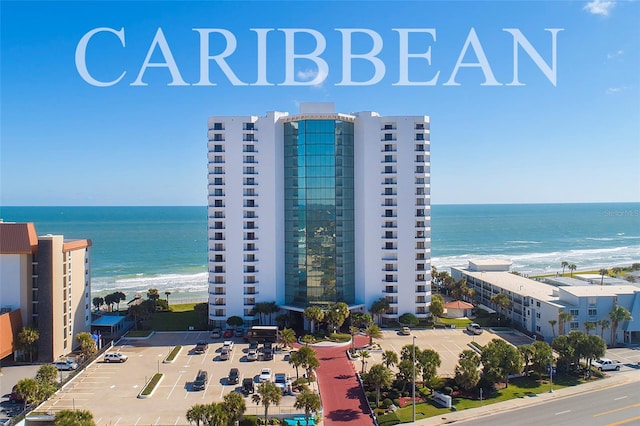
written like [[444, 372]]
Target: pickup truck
[[605, 364]]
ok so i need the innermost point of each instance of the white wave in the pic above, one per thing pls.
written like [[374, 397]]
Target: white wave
[[538, 263], [523, 242], [175, 283]]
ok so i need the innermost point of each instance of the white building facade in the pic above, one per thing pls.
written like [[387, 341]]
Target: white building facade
[[317, 208]]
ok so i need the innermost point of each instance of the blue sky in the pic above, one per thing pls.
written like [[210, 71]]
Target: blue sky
[[67, 142]]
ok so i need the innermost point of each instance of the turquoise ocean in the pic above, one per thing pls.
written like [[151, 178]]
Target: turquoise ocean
[[137, 248]]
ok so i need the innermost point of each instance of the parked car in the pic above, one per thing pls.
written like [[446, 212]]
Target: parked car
[[253, 345], [247, 386], [252, 355], [201, 347], [15, 398], [605, 364], [239, 332], [216, 333], [228, 344], [281, 381], [201, 380], [115, 357], [474, 328], [405, 331], [65, 365], [265, 375], [228, 333], [233, 377], [225, 354]]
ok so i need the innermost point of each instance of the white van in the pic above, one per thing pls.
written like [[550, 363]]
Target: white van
[[115, 357]]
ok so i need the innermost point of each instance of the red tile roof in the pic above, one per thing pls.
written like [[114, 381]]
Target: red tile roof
[[458, 304], [18, 238]]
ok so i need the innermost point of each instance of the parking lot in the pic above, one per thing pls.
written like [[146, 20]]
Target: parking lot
[[449, 343], [110, 391]]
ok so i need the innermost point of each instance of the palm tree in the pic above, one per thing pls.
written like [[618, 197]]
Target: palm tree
[[260, 309], [309, 402], [196, 414], [314, 314], [295, 359], [267, 394], [572, 267], [287, 336], [27, 339], [379, 376], [379, 307], [373, 331], [389, 358], [564, 264], [563, 318], [234, 405], [617, 315], [553, 326], [603, 323], [167, 293], [74, 418], [216, 414], [363, 357], [602, 273], [502, 301], [588, 326]]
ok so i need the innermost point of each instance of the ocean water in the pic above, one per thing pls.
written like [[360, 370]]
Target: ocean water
[[137, 248]]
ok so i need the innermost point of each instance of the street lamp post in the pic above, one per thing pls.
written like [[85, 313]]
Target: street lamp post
[[413, 390]]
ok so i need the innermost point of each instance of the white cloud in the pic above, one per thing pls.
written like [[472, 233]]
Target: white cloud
[[309, 75], [615, 54], [599, 7], [614, 90]]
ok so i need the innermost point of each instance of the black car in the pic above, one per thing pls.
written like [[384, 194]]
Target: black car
[[247, 386], [234, 376], [201, 380], [201, 347]]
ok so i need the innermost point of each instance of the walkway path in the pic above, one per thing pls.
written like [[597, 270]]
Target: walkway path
[[343, 401]]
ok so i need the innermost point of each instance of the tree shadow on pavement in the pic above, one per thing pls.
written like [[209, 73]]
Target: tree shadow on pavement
[[344, 415]]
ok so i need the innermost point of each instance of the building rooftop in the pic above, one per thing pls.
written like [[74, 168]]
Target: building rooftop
[[565, 281], [601, 290], [18, 238], [458, 304], [517, 284]]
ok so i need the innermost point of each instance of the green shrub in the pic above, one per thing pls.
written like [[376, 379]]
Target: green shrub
[[386, 403], [249, 421], [396, 402], [448, 390]]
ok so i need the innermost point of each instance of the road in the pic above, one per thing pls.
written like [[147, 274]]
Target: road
[[614, 406]]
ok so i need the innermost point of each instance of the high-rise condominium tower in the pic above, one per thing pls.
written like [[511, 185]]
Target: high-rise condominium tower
[[317, 208]]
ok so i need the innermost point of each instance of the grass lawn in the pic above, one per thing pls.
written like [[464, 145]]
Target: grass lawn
[[458, 322], [523, 387], [179, 319]]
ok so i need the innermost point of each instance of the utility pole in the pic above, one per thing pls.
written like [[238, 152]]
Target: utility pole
[[413, 390]]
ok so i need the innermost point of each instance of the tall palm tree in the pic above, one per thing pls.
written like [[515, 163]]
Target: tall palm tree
[[617, 315], [167, 293], [267, 394], [389, 358], [216, 415], [588, 326], [287, 336], [603, 323], [196, 414], [27, 339], [373, 331], [363, 357], [379, 376], [502, 301], [315, 315], [553, 326], [572, 267], [602, 273], [234, 405], [564, 264], [309, 402], [563, 318]]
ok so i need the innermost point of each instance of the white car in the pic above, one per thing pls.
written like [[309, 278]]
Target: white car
[[474, 328], [265, 375], [65, 365], [228, 344], [252, 355], [115, 357]]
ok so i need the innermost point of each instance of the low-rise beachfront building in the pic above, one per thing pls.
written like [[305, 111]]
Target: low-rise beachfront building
[[316, 208], [533, 304], [45, 283]]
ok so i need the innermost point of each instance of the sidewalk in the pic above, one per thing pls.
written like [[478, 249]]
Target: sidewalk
[[514, 404]]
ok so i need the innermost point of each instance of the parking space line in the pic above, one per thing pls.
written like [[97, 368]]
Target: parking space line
[[137, 421], [174, 386]]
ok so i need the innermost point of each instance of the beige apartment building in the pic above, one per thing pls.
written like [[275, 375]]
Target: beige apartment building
[[45, 282]]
